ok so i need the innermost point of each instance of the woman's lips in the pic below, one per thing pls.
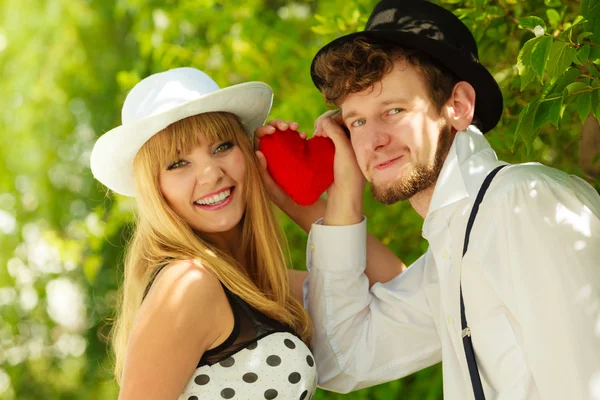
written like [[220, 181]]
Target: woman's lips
[[214, 207]]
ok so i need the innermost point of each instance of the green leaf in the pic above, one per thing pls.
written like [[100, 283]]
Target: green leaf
[[552, 3], [561, 57], [524, 63], [596, 104], [567, 33], [341, 24], [323, 29], [525, 127], [354, 17], [548, 111], [553, 17], [531, 22], [583, 54], [583, 36], [590, 10], [594, 54], [322, 19], [579, 20], [575, 87], [584, 105], [540, 53], [565, 79]]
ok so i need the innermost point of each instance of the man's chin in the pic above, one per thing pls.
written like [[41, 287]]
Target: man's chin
[[399, 190], [390, 193]]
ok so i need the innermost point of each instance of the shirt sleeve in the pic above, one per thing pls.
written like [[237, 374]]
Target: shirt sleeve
[[365, 337], [546, 238]]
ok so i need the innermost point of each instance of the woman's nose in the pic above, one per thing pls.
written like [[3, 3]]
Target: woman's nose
[[209, 174]]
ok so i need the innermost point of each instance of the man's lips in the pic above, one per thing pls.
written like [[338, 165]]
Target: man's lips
[[388, 163]]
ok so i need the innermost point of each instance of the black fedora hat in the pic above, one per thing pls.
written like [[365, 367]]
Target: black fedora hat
[[432, 29]]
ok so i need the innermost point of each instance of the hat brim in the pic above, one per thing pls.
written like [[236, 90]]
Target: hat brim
[[250, 102], [488, 102]]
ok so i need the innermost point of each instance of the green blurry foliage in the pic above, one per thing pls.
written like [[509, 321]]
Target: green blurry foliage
[[66, 66]]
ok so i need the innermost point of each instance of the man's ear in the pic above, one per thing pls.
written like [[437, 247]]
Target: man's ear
[[460, 107]]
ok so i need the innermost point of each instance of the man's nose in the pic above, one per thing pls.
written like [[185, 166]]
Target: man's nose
[[379, 138]]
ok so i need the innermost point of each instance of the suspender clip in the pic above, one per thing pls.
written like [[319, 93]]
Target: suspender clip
[[466, 332]]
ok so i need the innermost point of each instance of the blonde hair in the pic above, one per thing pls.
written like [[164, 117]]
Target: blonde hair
[[161, 236]]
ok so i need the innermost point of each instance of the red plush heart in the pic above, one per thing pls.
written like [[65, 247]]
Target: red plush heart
[[302, 168]]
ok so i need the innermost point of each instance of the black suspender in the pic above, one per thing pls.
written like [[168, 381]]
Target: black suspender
[[466, 331]]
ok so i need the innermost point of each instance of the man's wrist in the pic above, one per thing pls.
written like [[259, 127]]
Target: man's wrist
[[343, 213]]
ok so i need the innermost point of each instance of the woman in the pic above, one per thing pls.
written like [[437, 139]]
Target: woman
[[206, 311]]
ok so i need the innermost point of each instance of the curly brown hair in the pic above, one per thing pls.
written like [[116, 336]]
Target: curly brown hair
[[358, 64]]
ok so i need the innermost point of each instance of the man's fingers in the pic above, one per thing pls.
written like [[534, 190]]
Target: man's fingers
[[334, 131], [326, 114], [337, 117]]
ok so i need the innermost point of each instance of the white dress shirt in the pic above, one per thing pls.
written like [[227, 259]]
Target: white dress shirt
[[531, 286]]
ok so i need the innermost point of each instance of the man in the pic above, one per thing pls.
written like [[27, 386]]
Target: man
[[416, 102]]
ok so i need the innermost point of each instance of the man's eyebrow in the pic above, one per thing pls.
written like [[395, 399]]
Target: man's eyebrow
[[384, 103], [349, 115], [394, 100]]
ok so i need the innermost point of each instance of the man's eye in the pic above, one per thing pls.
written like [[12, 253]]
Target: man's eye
[[176, 165], [395, 111], [358, 122], [223, 147]]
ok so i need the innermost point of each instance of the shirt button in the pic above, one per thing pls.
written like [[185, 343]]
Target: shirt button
[[449, 320], [445, 254], [312, 248]]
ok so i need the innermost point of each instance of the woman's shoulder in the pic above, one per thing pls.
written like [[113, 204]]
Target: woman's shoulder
[[185, 293], [188, 278]]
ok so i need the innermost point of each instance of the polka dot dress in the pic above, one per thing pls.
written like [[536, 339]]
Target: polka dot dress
[[276, 366]]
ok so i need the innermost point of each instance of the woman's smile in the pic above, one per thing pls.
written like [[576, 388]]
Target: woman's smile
[[216, 201]]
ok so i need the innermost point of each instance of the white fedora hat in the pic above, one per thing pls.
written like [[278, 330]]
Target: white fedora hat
[[162, 99]]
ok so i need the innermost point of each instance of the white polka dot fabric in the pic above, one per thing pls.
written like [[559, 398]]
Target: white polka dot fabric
[[277, 366]]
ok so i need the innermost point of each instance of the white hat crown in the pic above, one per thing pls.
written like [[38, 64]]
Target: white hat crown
[[164, 91]]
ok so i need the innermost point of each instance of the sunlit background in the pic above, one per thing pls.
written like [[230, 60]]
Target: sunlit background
[[65, 68]]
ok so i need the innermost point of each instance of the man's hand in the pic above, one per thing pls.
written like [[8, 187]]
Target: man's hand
[[344, 202]]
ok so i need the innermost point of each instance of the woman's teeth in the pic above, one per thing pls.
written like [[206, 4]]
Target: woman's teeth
[[215, 199]]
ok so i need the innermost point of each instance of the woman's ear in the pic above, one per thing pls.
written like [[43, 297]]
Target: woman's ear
[[460, 107]]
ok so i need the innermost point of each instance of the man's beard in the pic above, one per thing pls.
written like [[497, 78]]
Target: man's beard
[[419, 178]]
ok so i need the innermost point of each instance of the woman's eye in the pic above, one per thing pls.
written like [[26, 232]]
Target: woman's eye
[[358, 122], [395, 111], [176, 165], [223, 147]]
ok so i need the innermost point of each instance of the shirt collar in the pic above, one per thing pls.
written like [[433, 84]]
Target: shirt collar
[[469, 160]]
